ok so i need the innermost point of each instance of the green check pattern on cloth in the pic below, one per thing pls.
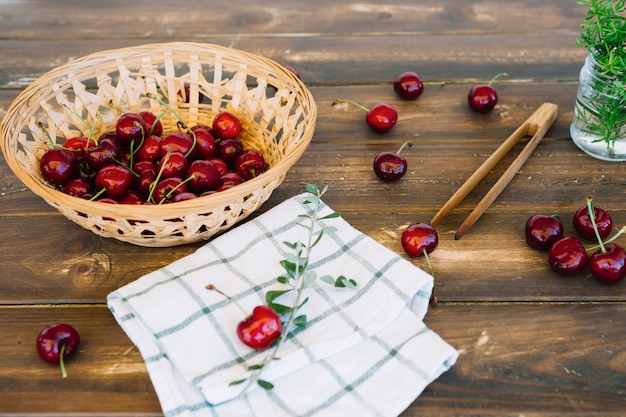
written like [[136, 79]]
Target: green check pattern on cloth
[[364, 352]]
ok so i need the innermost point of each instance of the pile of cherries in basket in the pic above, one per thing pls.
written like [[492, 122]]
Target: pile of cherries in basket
[[568, 256], [136, 163]]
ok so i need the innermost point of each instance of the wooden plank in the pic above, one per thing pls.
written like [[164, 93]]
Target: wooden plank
[[195, 19], [345, 60], [514, 359], [491, 263]]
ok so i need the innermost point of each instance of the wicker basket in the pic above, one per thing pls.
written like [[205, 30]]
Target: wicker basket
[[277, 111]]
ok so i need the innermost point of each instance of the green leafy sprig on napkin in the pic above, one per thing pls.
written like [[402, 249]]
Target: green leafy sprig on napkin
[[298, 277]]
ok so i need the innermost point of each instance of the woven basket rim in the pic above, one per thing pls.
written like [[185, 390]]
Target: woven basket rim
[[176, 209]]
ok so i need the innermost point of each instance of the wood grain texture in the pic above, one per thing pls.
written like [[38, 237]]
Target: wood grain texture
[[531, 343], [514, 359]]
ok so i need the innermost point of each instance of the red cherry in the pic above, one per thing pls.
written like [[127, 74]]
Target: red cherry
[[56, 343], [228, 150], [483, 97], [584, 227], [149, 149], [380, 118], [166, 189], [542, 231], [131, 126], [58, 166], [116, 179], [176, 142], [78, 187], [260, 329], [408, 85], [567, 256], [226, 126], [184, 196], [391, 166], [419, 237], [78, 146], [250, 163], [132, 197], [102, 155], [294, 71], [174, 164], [203, 176], [608, 265], [147, 172], [186, 93], [220, 165], [155, 127], [206, 146]]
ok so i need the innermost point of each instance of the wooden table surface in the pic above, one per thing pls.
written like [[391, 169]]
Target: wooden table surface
[[530, 342]]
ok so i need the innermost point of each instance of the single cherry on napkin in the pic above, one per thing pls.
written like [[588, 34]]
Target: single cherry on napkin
[[258, 330]]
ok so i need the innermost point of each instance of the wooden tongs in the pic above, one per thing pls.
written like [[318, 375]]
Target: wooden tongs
[[536, 126]]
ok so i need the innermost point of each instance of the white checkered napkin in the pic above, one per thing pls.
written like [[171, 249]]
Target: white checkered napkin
[[364, 350]]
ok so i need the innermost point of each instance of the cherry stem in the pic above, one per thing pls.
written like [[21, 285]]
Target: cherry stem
[[212, 287], [167, 106], [433, 298], [592, 217], [154, 183], [98, 194], [170, 193], [407, 143], [618, 234], [156, 120], [193, 145], [354, 103], [62, 362], [502, 74]]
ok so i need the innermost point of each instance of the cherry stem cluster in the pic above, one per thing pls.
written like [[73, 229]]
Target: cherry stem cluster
[[592, 217]]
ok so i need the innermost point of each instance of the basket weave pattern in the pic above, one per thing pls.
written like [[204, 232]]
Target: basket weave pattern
[[277, 112]]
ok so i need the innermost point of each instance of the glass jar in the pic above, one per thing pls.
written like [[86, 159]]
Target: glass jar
[[599, 125]]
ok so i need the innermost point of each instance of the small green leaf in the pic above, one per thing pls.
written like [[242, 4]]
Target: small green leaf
[[310, 278], [266, 385], [291, 245], [255, 367], [345, 282], [288, 266], [270, 296], [328, 279], [239, 381], [311, 188], [280, 309], [331, 216], [318, 238], [329, 229], [282, 280], [303, 303], [300, 321]]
